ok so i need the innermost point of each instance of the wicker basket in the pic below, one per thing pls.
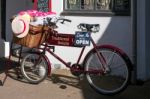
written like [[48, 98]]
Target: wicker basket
[[36, 36]]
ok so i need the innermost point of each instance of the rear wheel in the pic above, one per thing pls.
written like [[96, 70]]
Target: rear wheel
[[34, 68], [116, 75]]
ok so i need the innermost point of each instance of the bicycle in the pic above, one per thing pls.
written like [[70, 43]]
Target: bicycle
[[106, 67]]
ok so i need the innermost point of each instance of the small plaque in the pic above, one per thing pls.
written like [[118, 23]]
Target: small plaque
[[82, 39]]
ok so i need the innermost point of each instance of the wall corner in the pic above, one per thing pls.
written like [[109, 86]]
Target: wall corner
[[4, 48]]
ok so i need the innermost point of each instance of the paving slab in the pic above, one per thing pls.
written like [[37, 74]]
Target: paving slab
[[62, 85]]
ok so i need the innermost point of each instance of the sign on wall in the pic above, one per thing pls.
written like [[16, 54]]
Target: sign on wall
[[43, 5]]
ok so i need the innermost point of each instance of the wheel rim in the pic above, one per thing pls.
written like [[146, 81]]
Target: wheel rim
[[115, 79], [31, 72]]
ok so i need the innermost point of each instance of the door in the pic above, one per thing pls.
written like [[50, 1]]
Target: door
[[0, 18]]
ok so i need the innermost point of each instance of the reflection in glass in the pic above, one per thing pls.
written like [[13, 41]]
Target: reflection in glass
[[87, 4], [43, 5], [73, 4], [118, 6], [122, 5], [103, 4]]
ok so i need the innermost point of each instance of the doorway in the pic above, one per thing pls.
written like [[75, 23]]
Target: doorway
[[0, 19]]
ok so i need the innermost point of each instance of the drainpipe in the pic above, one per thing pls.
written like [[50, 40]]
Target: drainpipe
[[134, 39], [3, 19]]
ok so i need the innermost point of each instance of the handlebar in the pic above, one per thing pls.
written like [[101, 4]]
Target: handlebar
[[63, 20], [53, 21]]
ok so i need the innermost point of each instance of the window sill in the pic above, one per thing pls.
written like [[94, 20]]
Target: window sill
[[94, 14]]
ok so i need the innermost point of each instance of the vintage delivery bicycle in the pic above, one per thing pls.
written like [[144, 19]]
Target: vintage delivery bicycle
[[106, 67]]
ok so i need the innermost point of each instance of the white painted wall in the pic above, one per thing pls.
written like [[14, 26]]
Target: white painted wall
[[114, 30]]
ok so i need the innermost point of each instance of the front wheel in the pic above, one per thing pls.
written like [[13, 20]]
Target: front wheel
[[110, 74], [34, 68]]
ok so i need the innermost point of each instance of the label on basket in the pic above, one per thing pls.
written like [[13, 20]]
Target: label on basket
[[62, 39], [82, 39]]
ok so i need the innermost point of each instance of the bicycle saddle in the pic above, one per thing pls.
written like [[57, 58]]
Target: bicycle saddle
[[88, 27]]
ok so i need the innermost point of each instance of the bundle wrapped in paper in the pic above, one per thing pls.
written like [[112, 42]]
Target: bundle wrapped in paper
[[37, 17]]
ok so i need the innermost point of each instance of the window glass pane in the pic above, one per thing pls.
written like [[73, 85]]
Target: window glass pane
[[73, 4], [121, 5], [43, 5], [103, 4], [87, 4], [98, 6]]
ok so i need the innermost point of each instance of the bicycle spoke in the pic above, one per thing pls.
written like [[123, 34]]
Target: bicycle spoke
[[115, 75], [111, 59], [34, 68]]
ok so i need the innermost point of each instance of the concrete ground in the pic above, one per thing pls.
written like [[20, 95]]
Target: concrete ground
[[62, 85]]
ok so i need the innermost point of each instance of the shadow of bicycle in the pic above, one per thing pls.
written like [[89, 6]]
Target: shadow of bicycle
[[64, 79], [11, 68]]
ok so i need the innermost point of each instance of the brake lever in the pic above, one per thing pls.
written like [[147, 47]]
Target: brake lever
[[62, 22]]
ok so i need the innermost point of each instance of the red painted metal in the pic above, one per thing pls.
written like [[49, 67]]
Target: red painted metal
[[61, 39], [50, 5], [48, 63], [35, 5], [80, 55], [99, 55]]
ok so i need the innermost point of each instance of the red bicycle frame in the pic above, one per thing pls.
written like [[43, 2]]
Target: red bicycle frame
[[99, 55]]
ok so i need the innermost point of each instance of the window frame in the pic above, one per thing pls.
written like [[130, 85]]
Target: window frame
[[95, 12], [35, 5]]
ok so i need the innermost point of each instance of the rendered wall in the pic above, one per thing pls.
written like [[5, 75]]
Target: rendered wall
[[114, 30], [12, 8]]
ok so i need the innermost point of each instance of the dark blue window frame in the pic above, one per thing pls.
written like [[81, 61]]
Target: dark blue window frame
[[115, 7]]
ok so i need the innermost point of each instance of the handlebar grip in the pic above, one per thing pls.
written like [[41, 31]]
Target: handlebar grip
[[67, 20]]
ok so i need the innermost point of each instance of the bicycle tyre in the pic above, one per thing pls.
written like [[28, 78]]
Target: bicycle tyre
[[117, 79], [34, 67]]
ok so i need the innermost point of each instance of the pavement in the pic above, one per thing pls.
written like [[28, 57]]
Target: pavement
[[62, 85]]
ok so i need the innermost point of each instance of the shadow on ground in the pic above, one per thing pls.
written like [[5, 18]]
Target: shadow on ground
[[64, 79], [12, 68], [132, 92]]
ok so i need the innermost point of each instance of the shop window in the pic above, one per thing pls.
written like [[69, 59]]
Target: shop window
[[95, 7], [42, 5]]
